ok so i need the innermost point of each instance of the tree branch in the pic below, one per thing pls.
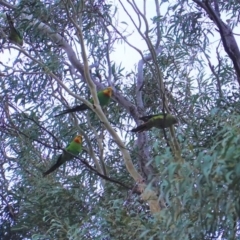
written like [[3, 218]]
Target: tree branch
[[229, 42]]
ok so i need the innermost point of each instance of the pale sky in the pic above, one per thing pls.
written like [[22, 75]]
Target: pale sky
[[125, 54]]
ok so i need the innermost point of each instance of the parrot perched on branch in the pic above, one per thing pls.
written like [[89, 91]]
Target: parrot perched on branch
[[14, 36], [72, 150], [103, 97], [159, 121]]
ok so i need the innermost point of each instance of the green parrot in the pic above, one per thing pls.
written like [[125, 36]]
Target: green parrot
[[160, 120], [14, 36], [103, 97], [72, 149]]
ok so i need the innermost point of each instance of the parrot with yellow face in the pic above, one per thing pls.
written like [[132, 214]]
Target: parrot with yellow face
[[103, 97], [72, 150]]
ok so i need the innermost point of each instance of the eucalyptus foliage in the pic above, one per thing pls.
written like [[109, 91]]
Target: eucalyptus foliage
[[189, 69]]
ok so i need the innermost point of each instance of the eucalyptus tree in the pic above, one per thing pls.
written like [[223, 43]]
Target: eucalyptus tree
[[177, 182]]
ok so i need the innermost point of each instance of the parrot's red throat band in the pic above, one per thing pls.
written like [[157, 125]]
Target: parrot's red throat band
[[77, 140], [108, 92]]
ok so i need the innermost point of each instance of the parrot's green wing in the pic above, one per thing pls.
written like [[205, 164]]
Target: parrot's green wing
[[103, 97], [72, 150], [74, 147], [14, 35], [146, 118], [159, 121]]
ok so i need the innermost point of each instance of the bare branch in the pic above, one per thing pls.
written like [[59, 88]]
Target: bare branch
[[229, 42]]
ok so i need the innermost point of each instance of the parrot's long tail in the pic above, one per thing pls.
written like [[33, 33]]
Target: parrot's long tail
[[52, 168], [79, 108], [10, 22], [140, 128], [146, 118]]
